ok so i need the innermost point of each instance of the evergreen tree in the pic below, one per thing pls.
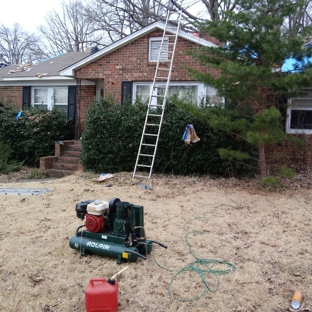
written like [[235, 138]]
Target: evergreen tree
[[255, 46], [7, 165]]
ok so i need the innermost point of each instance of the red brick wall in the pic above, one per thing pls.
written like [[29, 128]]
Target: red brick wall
[[12, 96], [85, 97], [130, 63], [290, 153]]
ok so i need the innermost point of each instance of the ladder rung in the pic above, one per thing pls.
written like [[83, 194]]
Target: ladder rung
[[152, 125], [154, 106], [160, 87], [140, 176], [154, 115], [145, 144], [163, 68], [150, 134], [158, 96], [161, 77], [146, 166], [147, 155]]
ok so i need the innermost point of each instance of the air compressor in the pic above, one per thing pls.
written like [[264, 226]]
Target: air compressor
[[113, 229]]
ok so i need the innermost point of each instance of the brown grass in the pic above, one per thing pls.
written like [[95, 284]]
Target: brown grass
[[266, 235]]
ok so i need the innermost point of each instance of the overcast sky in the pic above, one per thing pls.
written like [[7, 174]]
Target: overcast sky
[[28, 13], [31, 13]]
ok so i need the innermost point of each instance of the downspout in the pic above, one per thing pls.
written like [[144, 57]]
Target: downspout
[[78, 103]]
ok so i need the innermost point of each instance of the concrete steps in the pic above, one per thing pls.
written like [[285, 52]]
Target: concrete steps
[[66, 160]]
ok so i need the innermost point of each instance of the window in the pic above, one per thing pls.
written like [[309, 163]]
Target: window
[[142, 92], [187, 93], [212, 97], [154, 47], [40, 97], [49, 97], [299, 114], [60, 98], [192, 92]]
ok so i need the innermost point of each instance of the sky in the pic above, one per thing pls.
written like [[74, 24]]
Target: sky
[[28, 13]]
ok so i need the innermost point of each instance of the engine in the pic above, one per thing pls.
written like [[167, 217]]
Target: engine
[[93, 213]]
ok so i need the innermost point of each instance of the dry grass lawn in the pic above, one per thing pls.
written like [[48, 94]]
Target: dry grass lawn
[[265, 235]]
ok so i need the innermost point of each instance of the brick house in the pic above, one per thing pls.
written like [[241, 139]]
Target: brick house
[[41, 85], [298, 122], [297, 117], [125, 69]]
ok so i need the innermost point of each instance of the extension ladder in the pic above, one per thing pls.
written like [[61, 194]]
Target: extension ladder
[[157, 101]]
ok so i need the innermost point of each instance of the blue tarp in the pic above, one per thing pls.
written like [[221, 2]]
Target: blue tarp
[[289, 64]]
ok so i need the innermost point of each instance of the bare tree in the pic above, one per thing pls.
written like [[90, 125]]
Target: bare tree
[[204, 9], [119, 18], [18, 46], [122, 17], [82, 23], [69, 30], [301, 19]]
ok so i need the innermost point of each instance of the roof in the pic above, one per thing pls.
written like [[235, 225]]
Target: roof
[[69, 71], [48, 68]]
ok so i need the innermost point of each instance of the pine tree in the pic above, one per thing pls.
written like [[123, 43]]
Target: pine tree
[[255, 46], [7, 165]]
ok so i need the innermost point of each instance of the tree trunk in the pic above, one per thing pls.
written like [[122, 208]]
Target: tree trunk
[[262, 161]]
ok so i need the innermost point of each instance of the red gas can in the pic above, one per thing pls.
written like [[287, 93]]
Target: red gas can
[[102, 295]]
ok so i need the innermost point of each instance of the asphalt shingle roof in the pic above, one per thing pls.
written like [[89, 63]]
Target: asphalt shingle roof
[[50, 67]]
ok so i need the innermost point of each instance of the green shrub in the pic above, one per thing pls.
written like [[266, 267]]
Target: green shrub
[[33, 134], [7, 165], [272, 182], [287, 172], [113, 132], [36, 174]]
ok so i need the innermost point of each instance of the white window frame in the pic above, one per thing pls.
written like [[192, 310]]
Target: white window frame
[[155, 44], [202, 90], [50, 97], [293, 105]]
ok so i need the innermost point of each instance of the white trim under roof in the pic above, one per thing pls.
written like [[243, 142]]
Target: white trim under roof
[[47, 81], [69, 71], [36, 78]]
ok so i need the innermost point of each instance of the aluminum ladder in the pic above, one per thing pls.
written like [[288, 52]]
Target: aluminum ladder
[[157, 100]]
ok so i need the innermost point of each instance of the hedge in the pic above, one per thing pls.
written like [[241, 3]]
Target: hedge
[[112, 136], [33, 134]]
